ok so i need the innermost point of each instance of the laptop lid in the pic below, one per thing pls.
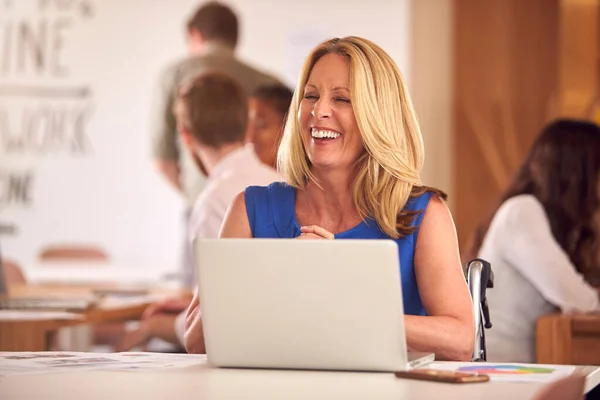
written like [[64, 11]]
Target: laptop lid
[[302, 304]]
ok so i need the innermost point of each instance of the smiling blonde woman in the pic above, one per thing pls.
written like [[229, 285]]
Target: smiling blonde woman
[[351, 154]]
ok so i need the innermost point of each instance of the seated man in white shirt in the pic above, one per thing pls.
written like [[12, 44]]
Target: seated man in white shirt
[[212, 115]]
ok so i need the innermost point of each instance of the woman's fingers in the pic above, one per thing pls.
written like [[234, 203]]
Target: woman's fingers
[[318, 231]]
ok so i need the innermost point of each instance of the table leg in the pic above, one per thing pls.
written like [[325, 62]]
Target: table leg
[[24, 336]]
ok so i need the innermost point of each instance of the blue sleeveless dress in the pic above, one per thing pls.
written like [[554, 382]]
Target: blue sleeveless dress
[[272, 214]]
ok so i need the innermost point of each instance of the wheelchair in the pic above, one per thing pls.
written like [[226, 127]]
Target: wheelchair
[[480, 277]]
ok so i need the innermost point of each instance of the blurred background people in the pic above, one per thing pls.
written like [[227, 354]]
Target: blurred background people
[[212, 38], [543, 240], [212, 116]]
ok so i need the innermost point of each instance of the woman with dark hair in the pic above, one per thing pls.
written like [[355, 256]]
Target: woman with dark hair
[[544, 239], [267, 110]]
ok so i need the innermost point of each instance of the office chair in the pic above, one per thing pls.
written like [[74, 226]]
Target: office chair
[[73, 252], [479, 278]]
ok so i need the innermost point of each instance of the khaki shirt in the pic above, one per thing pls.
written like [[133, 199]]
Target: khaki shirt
[[167, 144]]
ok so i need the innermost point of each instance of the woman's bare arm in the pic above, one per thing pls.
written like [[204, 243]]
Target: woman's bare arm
[[448, 330]]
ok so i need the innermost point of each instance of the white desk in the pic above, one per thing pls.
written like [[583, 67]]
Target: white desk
[[203, 382], [97, 272]]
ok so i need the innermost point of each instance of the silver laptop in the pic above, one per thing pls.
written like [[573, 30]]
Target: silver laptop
[[303, 304], [39, 303]]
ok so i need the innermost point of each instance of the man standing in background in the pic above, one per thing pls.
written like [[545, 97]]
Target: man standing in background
[[212, 39]]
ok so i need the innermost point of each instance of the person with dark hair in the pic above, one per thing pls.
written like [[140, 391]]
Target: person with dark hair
[[268, 109], [212, 33], [543, 240]]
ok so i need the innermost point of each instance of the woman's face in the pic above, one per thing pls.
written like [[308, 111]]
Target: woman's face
[[326, 118], [265, 127]]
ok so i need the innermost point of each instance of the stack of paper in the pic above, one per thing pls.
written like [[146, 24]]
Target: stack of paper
[[50, 362]]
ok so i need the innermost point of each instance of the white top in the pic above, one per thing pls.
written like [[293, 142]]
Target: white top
[[533, 277], [232, 175]]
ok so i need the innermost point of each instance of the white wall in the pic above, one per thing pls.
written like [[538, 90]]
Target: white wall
[[108, 193], [274, 28]]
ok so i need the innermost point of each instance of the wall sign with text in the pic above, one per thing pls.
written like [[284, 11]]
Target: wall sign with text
[[45, 107]]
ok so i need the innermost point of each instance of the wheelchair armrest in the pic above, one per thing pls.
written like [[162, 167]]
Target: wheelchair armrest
[[479, 277], [481, 270]]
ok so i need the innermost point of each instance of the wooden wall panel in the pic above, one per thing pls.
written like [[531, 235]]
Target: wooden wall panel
[[579, 57], [505, 89]]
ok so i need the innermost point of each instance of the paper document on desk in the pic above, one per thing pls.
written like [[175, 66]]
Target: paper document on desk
[[44, 362], [509, 372], [31, 315], [130, 361]]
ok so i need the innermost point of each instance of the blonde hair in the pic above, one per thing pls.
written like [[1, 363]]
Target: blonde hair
[[388, 172]]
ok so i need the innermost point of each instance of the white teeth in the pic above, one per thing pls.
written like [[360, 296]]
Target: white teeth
[[319, 134]]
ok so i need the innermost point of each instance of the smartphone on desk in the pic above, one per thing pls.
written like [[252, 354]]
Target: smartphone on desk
[[442, 376]]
